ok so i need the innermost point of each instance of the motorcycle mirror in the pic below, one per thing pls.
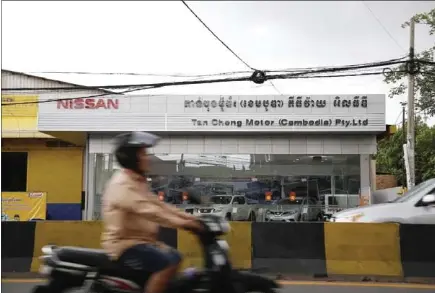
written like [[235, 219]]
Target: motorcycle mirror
[[194, 196]]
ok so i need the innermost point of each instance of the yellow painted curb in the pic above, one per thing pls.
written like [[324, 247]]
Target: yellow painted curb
[[297, 283]]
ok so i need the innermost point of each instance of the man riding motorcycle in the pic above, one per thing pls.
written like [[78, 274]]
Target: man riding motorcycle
[[132, 215]]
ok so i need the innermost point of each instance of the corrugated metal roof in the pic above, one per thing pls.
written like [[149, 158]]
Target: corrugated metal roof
[[15, 79]]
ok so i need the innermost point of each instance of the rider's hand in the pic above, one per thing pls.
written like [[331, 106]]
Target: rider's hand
[[193, 225]]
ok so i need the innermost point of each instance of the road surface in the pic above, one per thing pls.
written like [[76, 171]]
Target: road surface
[[26, 285]]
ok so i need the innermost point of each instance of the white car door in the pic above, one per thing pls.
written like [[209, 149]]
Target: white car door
[[235, 209], [242, 210], [423, 214]]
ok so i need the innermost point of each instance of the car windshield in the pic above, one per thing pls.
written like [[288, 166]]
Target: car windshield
[[414, 191], [221, 199]]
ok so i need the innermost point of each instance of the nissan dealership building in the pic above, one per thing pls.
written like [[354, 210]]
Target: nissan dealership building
[[260, 146]]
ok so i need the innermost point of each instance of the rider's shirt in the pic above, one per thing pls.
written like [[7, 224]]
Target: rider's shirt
[[132, 214]]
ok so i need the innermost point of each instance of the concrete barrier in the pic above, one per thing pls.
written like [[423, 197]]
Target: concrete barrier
[[17, 246], [289, 248], [310, 249], [417, 250], [239, 240], [362, 249]]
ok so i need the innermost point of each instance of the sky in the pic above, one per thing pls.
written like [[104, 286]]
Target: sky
[[165, 38]]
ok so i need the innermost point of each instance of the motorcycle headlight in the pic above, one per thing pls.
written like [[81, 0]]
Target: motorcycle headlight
[[223, 244], [48, 249]]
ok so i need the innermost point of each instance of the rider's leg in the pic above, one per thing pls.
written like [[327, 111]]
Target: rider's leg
[[159, 264], [159, 281]]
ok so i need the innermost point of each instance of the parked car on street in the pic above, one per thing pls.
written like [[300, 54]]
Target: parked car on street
[[417, 206]]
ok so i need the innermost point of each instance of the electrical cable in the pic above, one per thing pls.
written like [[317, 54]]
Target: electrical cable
[[222, 42], [383, 27], [295, 76], [425, 62], [337, 66], [192, 82], [336, 69], [138, 74], [201, 75], [225, 45], [276, 89]]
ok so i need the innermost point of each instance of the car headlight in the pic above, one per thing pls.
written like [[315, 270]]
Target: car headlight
[[289, 213], [349, 218], [217, 210]]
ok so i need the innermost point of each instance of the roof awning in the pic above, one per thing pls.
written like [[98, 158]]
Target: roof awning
[[24, 134]]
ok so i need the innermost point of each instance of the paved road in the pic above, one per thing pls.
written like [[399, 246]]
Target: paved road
[[25, 286]]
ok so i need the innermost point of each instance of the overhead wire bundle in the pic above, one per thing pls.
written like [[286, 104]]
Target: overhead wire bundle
[[257, 77]]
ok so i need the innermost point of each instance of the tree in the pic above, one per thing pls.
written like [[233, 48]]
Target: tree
[[425, 79], [390, 154]]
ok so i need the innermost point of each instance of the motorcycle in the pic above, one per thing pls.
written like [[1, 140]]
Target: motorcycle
[[71, 267]]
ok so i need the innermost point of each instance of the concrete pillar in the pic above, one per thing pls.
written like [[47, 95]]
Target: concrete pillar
[[373, 173], [365, 176]]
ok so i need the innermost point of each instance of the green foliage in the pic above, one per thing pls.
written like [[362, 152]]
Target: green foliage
[[390, 154], [425, 80]]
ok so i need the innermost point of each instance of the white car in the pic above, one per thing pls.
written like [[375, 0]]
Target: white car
[[230, 207], [417, 206]]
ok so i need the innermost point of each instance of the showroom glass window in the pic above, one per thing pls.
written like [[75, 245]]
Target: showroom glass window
[[256, 176]]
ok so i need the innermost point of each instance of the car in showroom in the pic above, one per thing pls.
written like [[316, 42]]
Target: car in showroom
[[294, 210], [232, 207]]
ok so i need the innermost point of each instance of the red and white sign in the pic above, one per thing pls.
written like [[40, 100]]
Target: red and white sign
[[89, 103]]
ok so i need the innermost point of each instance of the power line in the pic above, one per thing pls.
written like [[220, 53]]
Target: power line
[[225, 45], [383, 27], [138, 74], [222, 42], [337, 66], [203, 75], [206, 81], [294, 76], [426, 62], [276, 89]]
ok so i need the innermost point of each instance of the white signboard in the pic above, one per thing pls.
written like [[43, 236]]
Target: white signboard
[[324, 113]]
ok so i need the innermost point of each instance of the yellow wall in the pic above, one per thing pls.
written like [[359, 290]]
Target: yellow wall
[[20, 120], [57, 171]]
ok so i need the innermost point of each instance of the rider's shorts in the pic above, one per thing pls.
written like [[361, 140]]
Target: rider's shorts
[[149, 258]]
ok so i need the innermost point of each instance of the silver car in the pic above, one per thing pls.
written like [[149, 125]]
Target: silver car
[[284, 210], [417, 206], [299, 209]]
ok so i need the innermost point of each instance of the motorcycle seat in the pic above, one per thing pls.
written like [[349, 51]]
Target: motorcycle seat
[[83, 256]]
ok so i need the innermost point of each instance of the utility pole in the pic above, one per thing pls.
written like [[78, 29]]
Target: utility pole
[[404, 146], [411, 115], [403, 104]]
